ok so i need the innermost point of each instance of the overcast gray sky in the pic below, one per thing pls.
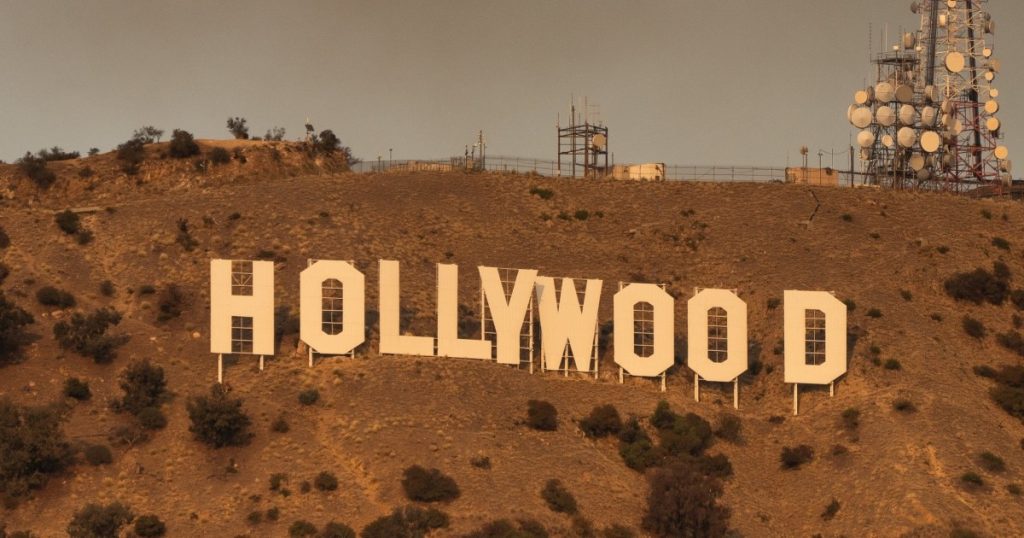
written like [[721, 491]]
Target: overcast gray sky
[[683, 82]]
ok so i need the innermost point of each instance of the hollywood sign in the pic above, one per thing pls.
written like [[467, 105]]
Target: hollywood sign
[[332, 313]]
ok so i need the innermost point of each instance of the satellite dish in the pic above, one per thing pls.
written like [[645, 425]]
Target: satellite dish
[[906, 137], [994, 64], [990, 26], [1006, 166], [993, 93], [947, 106], [885, 116], [888, 141], [946, 121], [928, 115], [958, 127], [924, 174], [865, 138], [947, 160], [930, 94], [849, 113], [861, 117], [865, 154], [955, 62], [951, 3], [991, 106], [943, 19], [909, 40], [986, 52], [599, 141], [990, 76], [917, 162], [907, 113], [915, 8], [861, 97], [930, 141], [992, 124], [884, 92], [1001, 152], [904, 93]]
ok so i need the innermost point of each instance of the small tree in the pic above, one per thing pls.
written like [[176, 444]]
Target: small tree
[[99, 521], [68, 221], [144, 386], [429, 485], [276, 134], [94, 152], [35, 169], [148, 134], [33, 448], [131, 154], [558, 498], [77, 389], [326, 481], [182, 145], [541, 415], [682, 502], [12, 330], [87, 335], [218, 420], [238, 128], [794, 457], [603, 421], [219, 156], [149, 526], [411, 521], [337, 530]]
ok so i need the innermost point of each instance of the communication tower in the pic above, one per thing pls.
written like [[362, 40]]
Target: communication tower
[[584, 143]]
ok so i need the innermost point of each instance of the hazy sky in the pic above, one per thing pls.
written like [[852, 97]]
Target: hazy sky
[[683, 82]]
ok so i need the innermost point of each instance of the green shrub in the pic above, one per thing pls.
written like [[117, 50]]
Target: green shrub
[[874, 313], [503, 528], [893, 364], [831, 510], [337, 530], [301, 529], [972, 479], [144, 386], [277, 480], [1000, 243], [773, 303], [429, 485], [280, 425], [87, 334], [152, 418], [558, 498], [4, 272], [1017, 298], [542, 193], [32, 446], [326, 481], [603, 421], [973, 327], [636, 449], [410, 521], [273, 513], [149, 526], [851, 418], [984, 370], [991, 463], [904, 405], [238, 128], [13, 336], [846, 217], [107, 288], [977, 286], [729, 427], [51, 296], [131, 154], [219, 156], [680, 434], [581, 214], [182, 145], [541, 415], [77, 389], [906, 295], [309, 397], [98, 455], [683, 502], [1011, 340], [480, 462], [218, 420], [35, 169], [99, 521], [170, 303], [794, 457], [5, 240], [1014, 489]]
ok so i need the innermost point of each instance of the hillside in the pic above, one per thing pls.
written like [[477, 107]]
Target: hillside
[[378, 415]]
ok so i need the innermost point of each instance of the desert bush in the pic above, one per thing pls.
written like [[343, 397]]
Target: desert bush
[[874, 313], [301, 529], [428, 485], [182, 145], [131, 155], [13, 336], [87, 334], [68, 221], [410, 521], [977, 286], [581, 214], [184, 237], [5, 240], [684, 502], [51, 296], [1011, 340], [147, 134], [219, 156], [98, 455], [149, 526], [603, 421], [1000, 243], [680, 434], [170, 303], [973, 327], [4, 272], [729, 427], [831, 510], [794, 457], [309, 397], [94, 152], [503, 528], [991, 463], [280, 425], [57, 153], [542, 193], [851, 418], [273, 513], [275, 134], [277, 480], [904, 405], [893, 364], [717, 466], [480, 462], [541, 415], [144, 386], [984, 370], [35, 169], [238, 128], [326, 481], [337, 530], [107, 288], [152, 418], [147, 289], [558, 498], [77, 389], [636, 448], [218, 420], [99, 521], [32, 448], [972, 479], [86, 172], [327, 142], [1014, 489]]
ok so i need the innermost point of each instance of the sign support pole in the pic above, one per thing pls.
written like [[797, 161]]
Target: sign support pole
[[220, 368], [696, 387], [736, 393], [261, 363], [796, 407]]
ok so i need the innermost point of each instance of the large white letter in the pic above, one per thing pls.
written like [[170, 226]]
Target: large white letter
[[242, 307], [663, 353], [324, 288], [563, 322], [448, 342], [391, 341], [815, 335], [728, 334], [507, 315]]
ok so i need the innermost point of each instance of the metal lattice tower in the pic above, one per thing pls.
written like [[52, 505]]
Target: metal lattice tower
[[930, 120]]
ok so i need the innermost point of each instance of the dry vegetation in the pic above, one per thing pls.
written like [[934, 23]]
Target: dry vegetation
[[912, 442]]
